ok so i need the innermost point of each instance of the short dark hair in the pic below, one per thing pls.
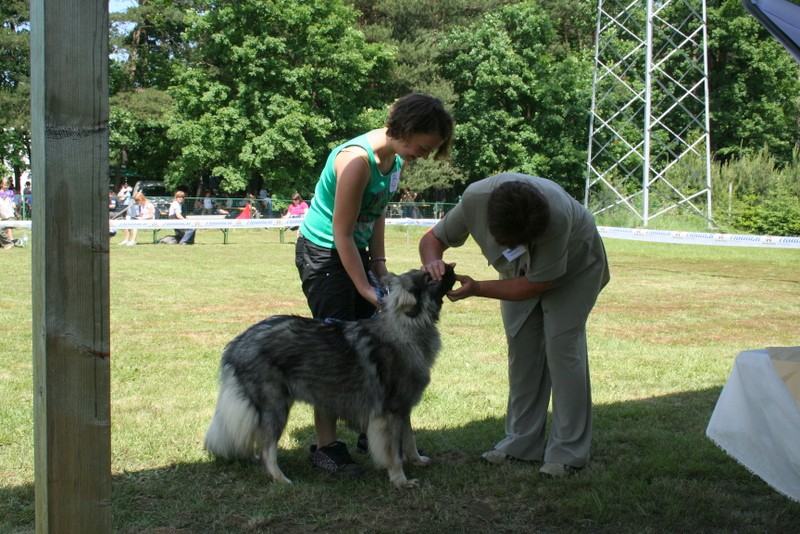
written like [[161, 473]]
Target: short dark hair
[[518, 213], [418, 113]]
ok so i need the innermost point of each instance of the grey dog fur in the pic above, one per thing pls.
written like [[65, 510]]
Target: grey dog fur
[[370, 373]]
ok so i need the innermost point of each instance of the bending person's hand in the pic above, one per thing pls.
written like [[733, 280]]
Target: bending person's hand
[[436, 268], [468, 288]]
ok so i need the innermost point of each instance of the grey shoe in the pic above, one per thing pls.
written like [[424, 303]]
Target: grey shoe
[[495, 457], [553, 470]]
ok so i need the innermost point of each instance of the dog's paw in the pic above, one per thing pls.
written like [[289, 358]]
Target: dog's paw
[[275, 474], [421, 461], [407, 484]]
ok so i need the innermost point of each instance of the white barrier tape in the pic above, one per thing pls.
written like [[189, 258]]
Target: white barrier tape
[[216, 223], [699, 238], [636, 234]]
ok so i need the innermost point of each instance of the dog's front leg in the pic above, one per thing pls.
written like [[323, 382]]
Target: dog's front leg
[[410, 445], [384, 433]]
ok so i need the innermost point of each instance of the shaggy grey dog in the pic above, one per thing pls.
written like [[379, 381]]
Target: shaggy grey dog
[[370, 373]]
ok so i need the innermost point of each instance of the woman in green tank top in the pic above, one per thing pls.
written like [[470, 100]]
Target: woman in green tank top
[[342, 235]]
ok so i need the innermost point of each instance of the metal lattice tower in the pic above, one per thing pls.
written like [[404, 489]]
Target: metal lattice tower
[[649, 147]]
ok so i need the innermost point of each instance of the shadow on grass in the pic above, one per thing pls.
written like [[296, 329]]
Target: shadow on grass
[[653, 470]]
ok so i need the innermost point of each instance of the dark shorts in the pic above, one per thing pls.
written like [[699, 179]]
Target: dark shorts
[[327, 286]]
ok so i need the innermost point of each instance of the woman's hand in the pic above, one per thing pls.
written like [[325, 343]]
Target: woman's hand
[[371, 295]]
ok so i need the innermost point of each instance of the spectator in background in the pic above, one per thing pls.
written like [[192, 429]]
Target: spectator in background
[[131, 214], [407, 200], [438, 207], [296, 210], [112, 200], [124, 196], [112, 209], [298, 207], [5, 243], [145, 210], [7, 210], [18, 201], [208, 204], [183, 236], [27, 195], [266, 201], [249, 210]]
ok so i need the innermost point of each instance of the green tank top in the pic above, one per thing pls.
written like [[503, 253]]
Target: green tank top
[[317, 226]]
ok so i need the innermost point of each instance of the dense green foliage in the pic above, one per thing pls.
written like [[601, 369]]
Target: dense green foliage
[[14, 87], [523, 99], [754, 86], [235, 95], [274, 85], [755, 195]]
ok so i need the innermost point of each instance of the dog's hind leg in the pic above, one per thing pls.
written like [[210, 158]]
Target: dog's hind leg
[[410, 445], [384, 434], [273, 421], [269, 457]]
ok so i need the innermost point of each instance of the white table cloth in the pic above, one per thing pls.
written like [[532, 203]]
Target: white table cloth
[[757, 416]]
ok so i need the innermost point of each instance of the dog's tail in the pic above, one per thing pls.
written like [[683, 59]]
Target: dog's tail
[[231, 434]]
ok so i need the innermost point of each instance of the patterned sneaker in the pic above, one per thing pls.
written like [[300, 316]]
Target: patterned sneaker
[[553, 470], [335, 459]]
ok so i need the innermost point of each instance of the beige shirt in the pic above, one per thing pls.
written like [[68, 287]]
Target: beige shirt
[[569, 254]]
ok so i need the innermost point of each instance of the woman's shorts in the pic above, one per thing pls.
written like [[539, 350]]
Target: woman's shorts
[[327, 286]]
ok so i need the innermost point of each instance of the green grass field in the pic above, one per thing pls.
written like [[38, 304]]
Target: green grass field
[[663, 338]]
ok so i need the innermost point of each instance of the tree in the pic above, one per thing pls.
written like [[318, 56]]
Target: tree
[[146, 45], [274, 85], [147, 41], [414, 28], [15, 135], [523, 98], [754, 87]]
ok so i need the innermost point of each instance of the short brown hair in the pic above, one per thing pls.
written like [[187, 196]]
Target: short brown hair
[[418, 113], [518, 213]]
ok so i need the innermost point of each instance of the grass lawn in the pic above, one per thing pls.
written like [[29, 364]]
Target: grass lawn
[[662, 341]]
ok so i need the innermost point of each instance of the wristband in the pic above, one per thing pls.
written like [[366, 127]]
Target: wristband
[[375, 260]]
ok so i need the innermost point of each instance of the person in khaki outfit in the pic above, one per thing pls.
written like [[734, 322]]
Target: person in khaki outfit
[[552, 266]]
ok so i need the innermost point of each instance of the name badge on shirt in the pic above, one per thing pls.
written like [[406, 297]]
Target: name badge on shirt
[[395, 182], [512, 254]]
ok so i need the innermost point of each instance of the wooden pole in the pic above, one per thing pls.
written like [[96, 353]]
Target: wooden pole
[[70, 280]]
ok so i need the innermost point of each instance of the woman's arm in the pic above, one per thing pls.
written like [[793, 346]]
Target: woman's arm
[[352, 174], [377, 247]]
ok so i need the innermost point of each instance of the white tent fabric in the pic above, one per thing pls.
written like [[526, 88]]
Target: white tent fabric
[[757, 416], [781, 19]]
